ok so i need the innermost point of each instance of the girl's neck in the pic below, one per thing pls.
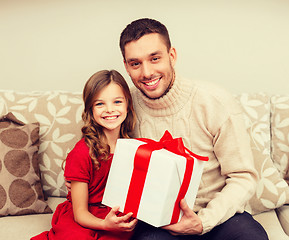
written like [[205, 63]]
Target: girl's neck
[[111, 137]]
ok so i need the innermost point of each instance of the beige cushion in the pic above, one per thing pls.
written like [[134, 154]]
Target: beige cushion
[[283, 215], [280, 133], [272, 191], [59, 115], [270, 223], [28, 225], [20, 186]]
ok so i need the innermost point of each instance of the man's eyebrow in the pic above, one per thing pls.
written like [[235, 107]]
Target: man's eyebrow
[[155, 53], [150, 55], [132, 60]]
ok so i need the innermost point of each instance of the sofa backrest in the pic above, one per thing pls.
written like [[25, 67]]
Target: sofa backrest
[[59, 115]]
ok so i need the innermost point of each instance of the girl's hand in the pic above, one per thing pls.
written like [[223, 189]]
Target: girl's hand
[[114, 223]]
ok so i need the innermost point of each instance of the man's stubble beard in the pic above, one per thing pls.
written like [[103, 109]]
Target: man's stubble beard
[[168, 88]]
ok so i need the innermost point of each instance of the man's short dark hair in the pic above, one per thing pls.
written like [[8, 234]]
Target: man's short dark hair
[[138, 28]]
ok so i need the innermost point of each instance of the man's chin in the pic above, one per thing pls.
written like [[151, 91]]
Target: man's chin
[[152, 96]]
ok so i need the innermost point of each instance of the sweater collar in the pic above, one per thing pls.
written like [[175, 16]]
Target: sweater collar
[[170, 103]]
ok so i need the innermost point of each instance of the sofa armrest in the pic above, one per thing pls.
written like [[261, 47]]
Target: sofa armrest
[[283, 215]]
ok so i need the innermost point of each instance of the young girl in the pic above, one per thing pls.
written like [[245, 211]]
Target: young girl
[[108, 115]]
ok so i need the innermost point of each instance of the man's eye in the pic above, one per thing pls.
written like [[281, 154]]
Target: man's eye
[[155, 59], [135, 64]]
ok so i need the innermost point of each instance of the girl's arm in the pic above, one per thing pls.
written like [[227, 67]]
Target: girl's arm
[[79, 195]]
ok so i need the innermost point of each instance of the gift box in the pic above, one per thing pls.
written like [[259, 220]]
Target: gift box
[[150, 178]]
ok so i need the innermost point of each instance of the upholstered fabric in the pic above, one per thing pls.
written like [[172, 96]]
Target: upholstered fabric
[[50, 107], [283, 215], [20, 186], [26, 226], [269, 220], [272, 191], [59, 115], [280, 134]]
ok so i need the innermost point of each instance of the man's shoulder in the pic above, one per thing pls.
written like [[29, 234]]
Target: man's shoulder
[[213, 96], [212, 90]]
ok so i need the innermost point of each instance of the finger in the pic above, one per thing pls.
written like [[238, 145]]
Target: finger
[[186, 209], [129, 226], [113, 212], [183, 204], [126, 217], [172, 228], [115, 209]]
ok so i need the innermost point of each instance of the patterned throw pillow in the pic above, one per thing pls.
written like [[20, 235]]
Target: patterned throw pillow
[[272, 191], [280, 134], [20, 186], [59, 115]]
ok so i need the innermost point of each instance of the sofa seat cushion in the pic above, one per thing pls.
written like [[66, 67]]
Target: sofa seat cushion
[[283, 215], [271, 224], [27, 226]]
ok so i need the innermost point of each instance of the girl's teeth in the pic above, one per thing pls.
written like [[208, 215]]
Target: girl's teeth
[[110, 118]]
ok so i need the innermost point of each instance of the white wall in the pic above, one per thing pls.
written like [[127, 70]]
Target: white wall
[[242, 45]]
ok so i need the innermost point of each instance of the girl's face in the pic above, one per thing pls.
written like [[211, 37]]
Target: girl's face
[[110, 108]]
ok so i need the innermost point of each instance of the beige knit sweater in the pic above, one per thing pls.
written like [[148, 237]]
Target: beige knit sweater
[[210, 122]]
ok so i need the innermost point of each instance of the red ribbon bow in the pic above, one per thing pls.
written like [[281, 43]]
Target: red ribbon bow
[[141, 164]]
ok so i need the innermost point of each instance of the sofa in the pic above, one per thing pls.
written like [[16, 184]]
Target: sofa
[[38, 129]]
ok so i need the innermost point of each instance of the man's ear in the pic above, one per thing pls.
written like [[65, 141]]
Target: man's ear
[[125, 65], [173, 56]]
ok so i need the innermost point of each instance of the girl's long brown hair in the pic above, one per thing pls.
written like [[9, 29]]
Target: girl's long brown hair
[[92, 132]]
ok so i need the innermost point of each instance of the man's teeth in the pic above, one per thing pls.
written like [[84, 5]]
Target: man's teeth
[[152, 82]]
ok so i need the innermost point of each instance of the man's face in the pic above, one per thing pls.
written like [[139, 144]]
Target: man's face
[[150, 65]]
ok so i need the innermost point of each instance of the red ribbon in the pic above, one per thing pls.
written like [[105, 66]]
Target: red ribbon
[[141, 164]]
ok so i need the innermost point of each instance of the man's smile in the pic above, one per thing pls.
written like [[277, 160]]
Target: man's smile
[[152, 83]]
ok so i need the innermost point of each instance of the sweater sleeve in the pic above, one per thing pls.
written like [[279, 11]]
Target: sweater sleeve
[[234, 156]]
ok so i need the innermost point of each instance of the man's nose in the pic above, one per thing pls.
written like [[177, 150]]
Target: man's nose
[[147, 70]]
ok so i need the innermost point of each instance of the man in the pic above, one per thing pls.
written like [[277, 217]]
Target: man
[[210, 123]]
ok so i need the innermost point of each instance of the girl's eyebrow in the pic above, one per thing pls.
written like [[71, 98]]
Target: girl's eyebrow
[[99, 100]]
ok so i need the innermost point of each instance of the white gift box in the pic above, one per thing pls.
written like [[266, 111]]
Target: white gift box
[[162, 183]]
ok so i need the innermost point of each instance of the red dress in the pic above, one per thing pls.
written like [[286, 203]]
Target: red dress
[[79, 167]]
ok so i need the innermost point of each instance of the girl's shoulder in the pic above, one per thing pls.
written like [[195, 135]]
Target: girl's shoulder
[[80, 147]]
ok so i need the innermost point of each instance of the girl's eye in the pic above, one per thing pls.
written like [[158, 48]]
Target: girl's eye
[[118, 101], [98, 104]]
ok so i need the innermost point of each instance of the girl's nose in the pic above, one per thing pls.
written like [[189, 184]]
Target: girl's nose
[[109, 108]]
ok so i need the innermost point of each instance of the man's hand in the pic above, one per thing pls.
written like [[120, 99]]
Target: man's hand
[[190, 223]]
